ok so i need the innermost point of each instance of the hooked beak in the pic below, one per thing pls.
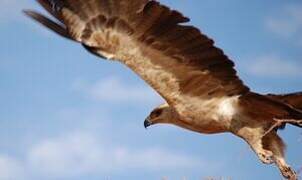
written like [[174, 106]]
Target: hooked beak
[[147, 122]]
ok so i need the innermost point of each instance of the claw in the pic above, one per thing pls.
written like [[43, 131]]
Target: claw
[[300, 123], [266, 157], [289, 174], [286, 170]]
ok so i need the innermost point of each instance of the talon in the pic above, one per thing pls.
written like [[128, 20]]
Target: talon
[[267, 157], [288, 173]]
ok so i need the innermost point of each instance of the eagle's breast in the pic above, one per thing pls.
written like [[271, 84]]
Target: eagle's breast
[[208, 116]]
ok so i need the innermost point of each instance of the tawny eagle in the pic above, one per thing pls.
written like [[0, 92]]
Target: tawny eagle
[[197, 80]]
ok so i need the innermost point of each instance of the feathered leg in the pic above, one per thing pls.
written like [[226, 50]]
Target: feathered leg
[[253, 136], [275, 144], [266, 156], [269, 149]]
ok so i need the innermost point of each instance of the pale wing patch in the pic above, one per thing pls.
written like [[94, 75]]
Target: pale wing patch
[[75, 24], [143, 60]]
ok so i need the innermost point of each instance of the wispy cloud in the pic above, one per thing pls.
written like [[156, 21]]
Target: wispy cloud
[[272, 65], [10, 168], [287, 23], [83, 153], [78, 154], [115, 90]]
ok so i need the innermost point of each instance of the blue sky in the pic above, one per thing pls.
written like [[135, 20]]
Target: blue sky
[[65, 114]]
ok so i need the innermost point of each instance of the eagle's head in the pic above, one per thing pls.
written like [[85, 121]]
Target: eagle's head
[[162, 114]]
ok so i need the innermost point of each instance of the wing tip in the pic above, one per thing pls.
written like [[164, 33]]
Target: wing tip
[[45, 21], [28, 12], [31, 14]]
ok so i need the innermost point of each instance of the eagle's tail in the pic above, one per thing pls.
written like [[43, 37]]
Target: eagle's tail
[[50, 6], [280, 108], [294, 100]]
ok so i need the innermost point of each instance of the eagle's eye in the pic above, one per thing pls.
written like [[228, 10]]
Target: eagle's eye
[[156, 113]]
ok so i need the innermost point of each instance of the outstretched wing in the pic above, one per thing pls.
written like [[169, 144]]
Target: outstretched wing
[[177, 60]]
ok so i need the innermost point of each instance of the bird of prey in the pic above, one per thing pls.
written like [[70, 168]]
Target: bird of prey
[[198, 81]]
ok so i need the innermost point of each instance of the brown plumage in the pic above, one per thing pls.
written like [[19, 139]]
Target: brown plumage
[[198, 81], [293, 99]]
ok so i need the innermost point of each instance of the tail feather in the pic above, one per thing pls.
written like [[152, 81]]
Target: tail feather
[[294, 100], [56, 27], [259, 106]]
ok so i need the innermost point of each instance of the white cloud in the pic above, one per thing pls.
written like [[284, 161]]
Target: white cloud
[[281, 27], [79, 154], [69, 155], [10, 168], [288, 23], [272, 65], [113, 89], [84, 154]]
